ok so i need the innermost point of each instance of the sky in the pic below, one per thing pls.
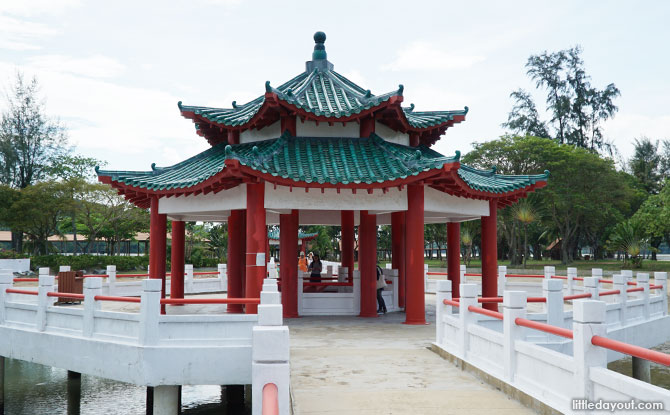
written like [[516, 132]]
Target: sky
[[113, 72]]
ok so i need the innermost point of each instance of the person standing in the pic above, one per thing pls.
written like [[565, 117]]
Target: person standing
[[381, 284], [315, 269], [302, 263]]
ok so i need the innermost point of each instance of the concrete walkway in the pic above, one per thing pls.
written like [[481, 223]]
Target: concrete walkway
[[350, 365]]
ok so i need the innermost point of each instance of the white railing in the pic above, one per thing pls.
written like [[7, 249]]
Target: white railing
[[517, 356], [147, 347]]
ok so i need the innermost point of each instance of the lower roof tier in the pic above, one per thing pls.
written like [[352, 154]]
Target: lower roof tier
[[317, 162]]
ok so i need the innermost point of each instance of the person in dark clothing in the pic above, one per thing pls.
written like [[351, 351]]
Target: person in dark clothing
[[315, 269], [381, 284]]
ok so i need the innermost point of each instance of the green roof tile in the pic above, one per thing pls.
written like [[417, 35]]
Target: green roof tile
[[274, 235]]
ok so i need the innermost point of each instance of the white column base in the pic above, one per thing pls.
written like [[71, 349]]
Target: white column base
[[166, 400]]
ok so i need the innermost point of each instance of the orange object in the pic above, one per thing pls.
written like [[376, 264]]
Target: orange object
[[302, 264]]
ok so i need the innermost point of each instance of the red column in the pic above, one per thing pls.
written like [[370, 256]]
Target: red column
[[288, 271], [233, 137], [177, 268], [413, 139], [347, 226], [398, 252], [256, 268], [288, 123], [236, 249], [158, 242], [490, 254], [367, 127], [415, 302], [454, 256], [367, 263]]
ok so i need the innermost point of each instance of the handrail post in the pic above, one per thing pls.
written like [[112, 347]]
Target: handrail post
[[588, 321], [92, 287], [591, 287], [150, 310], [6, 281], [622, 297], [357, 292], [442, 292], [502, 272], [223, 276], [188, 278], [549, 271], [643, 281], [661, 278], [572, 273], [45, 285], [514, 306], [425, 278], [628, 275], [270, 350], [301, 290], [64, 268], [468, 298], [463, 272], [552, 290], [342, 275], [111, 279], [394, 280]]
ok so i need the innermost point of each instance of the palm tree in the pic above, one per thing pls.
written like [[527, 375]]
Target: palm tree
[[629, 237], [526, 213]]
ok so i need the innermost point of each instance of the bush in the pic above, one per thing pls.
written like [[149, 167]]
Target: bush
[[90, 262]]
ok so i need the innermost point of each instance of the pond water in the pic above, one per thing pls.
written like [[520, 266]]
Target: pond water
[[660, 375], [32, 389]]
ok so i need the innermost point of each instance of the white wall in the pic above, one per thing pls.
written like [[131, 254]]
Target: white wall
[[390, 135], [266, 133], [310, 129]]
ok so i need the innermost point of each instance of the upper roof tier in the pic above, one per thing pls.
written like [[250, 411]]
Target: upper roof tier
[[323, 95]]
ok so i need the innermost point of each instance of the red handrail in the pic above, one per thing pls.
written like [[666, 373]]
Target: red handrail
[[610, 292], [576, 296], [489, 300], [655, 287], [547, 328], [524, 275], [210, 301], [437, 273], [270, 404], [637, 351], [120, 299], [206, 273], [26, 279], [96, 275], [66, 295], [15, 291], [634, 290], [485, 312], [327, 284], [131, 275], [452, 303], [560, 277]]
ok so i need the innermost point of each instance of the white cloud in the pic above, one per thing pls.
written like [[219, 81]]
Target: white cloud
[[427, 56], [17, 34], [96, 66], [624, 128], [33, 7]]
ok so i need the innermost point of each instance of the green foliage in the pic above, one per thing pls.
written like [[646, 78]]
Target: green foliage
[[90, 262], [630, 238], [646, 163]]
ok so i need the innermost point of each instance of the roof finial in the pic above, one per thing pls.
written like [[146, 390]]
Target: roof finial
[[319, 48]]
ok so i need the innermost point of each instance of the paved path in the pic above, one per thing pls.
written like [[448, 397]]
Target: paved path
[[349, 365]]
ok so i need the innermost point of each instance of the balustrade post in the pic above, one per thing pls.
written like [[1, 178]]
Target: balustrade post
[[150, 310], [572, 273], [223, 276], [394, 281], [628, 275], [45, 285], [643, 281], [425, 278], [442, 292], [468, 298], [552, 290], [301, 290], [270, 351], [6, 281], [591, 287], [342, 276], [502, 272], [597, 272], [188, 278], [514, 306], [588, 321], [92, 287], [622, 297], [661, 278], [549, 272], [357, 292], [463, 277], [111, 279]]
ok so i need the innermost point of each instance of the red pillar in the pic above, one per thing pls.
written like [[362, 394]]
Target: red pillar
[[288, 271], [454, 256], [256, 268], [288, 123], [490, 254], [398, 252], [347, 226], [367, 127], [413, 139], [177, 268], [236, 250], [233, 137], [415, 302], [367, 263], [158, 243]]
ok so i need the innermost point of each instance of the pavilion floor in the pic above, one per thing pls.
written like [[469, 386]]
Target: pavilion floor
[[345, 365]]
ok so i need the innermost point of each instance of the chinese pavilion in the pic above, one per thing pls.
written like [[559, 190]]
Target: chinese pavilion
[[321, 150]]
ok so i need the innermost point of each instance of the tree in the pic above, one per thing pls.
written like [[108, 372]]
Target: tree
[[629, 237], [645, 164], [30, 142], [526, 213], [654, 217], [577, 109]]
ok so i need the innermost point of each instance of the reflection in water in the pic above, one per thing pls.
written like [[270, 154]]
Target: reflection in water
[[32, 389]]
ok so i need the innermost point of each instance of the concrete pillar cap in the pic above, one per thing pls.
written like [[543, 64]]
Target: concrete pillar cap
[[444, 286], [469, 290], [45, 280], [642, 277], [93, 283], [552, 285], [514, 299], [591, 282], [589, 311], [152, 284]]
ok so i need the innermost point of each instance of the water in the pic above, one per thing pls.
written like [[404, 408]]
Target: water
[[660, 375], [32, 389]]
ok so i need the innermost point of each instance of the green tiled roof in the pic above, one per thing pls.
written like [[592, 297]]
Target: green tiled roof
[[427, 119], [320, 160], [332, 160], [274, 235], [490, 182]]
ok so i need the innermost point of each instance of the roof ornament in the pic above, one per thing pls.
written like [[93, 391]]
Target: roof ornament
[[228, 150], [546, 173], [234, 104], [368, 93], [319, 56], [268, 88], [494, 169], [466, 109], [458, 155], [153, 166], [179, 104], [401, 88], [417, 155], [255, 151], [411, 107]]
